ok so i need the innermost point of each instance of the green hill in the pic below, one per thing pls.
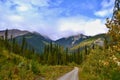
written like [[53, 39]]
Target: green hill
[[34, 40], [88, 42]]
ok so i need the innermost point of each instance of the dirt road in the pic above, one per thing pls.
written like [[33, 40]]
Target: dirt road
[[73, 75]]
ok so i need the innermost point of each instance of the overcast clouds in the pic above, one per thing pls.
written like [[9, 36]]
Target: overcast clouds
[[56, 18]]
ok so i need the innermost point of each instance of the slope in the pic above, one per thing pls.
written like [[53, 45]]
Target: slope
[[89, 41], [14, 66], [34, 40], [71, 41]]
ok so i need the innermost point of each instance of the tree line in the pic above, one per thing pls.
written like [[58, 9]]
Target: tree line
[[53, 54]]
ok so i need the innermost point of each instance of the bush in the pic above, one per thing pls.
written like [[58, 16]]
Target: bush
[[35, 67], [72, 64]]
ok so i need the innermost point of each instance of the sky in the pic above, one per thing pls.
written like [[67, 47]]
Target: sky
[[56, 18]]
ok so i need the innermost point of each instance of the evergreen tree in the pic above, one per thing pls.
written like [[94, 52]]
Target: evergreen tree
[[49, 59], [23, 44], [86, 50], [11, 44], [6, 34], [6, 40]]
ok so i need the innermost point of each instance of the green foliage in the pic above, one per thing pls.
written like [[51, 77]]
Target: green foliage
[[100, 65], [16, 67], [26, 66], [114, 27], [57, 55], [35, 67]]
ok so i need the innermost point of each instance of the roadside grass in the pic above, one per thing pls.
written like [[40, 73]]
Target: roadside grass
[[54, 72], [100, 65]]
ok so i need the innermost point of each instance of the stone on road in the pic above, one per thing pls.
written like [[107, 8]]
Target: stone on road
[[73, 75]]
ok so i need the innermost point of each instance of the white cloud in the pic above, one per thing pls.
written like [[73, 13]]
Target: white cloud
[[47, 21], [40, 3], [79, 25], [104, 12], [23, 8], [15, 18], [95, 27], [106, 8]]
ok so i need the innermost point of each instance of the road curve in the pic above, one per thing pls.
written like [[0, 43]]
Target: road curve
[[72, 75]]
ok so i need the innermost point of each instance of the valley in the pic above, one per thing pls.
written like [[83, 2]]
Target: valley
[[59, 40], [22, 53]]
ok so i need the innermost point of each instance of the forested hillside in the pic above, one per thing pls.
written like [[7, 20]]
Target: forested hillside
[[53, 54], [18, 63]]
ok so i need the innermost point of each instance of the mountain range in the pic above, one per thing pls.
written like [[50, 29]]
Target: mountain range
[[13, 32], [38, 41]]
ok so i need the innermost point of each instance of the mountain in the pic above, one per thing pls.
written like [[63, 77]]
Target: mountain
[[13, 32], [96, 40], [34, 40], [72, 40], [37, 41]]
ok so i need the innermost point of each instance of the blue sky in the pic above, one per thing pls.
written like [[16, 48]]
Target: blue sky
[[56, 18]]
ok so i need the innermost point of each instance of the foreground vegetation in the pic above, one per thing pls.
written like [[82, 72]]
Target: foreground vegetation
[[16, 67], [101, 65]]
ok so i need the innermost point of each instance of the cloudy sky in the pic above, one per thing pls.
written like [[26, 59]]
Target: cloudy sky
[[56, 18]]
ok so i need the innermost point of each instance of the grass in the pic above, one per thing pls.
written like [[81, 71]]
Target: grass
[[54, 72], [16, 67]]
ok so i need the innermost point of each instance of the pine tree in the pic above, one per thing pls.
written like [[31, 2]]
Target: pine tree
[[11, 44], [6, 34], [7, 44], [49, 59], [23, 44], [86, 50], [67, 57]]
